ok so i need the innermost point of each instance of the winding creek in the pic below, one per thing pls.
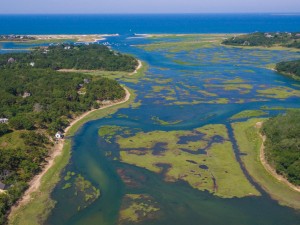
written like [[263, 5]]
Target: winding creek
[[179, 98]]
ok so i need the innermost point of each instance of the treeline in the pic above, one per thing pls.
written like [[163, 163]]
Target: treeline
[[282, 146], [290, 67], [38, 101], [55, 97], [65, 56], [285, 39]]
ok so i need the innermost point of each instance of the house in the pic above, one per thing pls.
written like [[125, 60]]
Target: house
[[86, 81], [297, 35], [26, 94], [3, 120], [59, 135], [67, 47], [11, 60], [32, 64], [269, 36], [3, 187], [246, 43]]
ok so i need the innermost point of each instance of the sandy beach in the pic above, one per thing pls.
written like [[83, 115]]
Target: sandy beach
[[137, 68], [35, 183], [79, 38]]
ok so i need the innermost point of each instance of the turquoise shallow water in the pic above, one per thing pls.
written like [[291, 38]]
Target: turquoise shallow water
[[180, 204]]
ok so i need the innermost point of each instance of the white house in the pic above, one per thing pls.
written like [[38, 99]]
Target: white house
[[3, 120], [59, 135], [26, 94], [32, 64], [269, 36], [11, 60]]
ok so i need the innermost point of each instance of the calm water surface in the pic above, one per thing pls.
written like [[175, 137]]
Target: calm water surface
[[180, 203]]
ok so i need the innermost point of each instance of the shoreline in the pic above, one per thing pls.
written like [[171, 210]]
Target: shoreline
[[249, 141], [269, 168], [78, 37], [139, 66], [58, 149]]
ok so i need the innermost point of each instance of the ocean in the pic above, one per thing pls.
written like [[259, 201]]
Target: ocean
[[151, 23]]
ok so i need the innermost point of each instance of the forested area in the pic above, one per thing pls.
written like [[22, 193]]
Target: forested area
[[67, 56], [290, 67], [38, 101], [285, 39], [282, 147]]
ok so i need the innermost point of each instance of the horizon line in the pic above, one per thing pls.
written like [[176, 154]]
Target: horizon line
[[153, 13]]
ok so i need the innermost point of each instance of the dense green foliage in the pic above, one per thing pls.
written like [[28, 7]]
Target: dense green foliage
[[282, 146], [64, 56], [291, 67], [265, 39], [55, 97], [39, 101], [3, 129]]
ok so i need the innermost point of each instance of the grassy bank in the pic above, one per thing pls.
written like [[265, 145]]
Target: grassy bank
[[249, 142], [204, 158]]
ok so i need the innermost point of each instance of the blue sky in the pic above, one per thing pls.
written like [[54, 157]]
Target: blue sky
[[147, 6]]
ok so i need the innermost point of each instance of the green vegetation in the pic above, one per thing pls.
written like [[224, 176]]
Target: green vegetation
[[183, 43], [86, 190], [279, 92], [54, 97], [137, 208], [38, 102], [290, 40], [108, 132], [203, 157], [163, 122], [248, 114], [64, 56], [290, 68], [249, 142], [282, 145], [40, 204]]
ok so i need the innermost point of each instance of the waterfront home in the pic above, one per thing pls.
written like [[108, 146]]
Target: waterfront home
[[26, 94], [3, 120], [59, 135], [11, 60]]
